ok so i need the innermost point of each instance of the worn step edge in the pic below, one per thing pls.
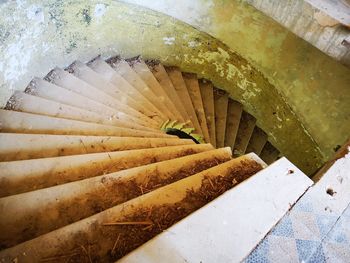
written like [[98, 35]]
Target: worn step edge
[[96, 228], [28, 175], [220, 105], [139, 66], [24, 102], [22, 122], [244, 133], [206, 89], [192, 85], [243, 215], [257, 141], [42, 209], [176, 78], [47, 90], [107, 72], [162, 77], [70, 82], [83, 72], [124, 69], [16, 146]]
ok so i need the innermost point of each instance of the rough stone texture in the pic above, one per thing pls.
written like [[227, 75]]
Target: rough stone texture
[[37, 37], [313, 84]]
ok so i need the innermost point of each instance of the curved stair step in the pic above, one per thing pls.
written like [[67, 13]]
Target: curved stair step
[[192, 85], [70, 82], [21, 122], [257, 141], [162, 77], [234, 113], [140, 67], [113, 233], [244, 133], [47, 209], [47, 90], [124, 70], [220, 105], [107, 72], [16, 146], [28, 175], [176, 78], [31, 104], [83, 72], [269, 153], [206, 89]]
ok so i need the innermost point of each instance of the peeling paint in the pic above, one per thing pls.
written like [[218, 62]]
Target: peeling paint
[[169, 40]]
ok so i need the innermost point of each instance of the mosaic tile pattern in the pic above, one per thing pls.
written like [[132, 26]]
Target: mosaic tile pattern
[[308, 233]]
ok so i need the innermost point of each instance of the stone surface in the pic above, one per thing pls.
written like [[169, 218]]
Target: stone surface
[[228, 228]]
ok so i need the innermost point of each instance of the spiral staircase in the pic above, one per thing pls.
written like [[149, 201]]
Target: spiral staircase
[[100, 157]]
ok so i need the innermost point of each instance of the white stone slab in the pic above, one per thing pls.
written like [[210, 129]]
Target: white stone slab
[[229, 228]]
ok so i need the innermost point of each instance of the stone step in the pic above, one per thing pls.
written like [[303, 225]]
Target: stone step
[[192, 85], [220, 105], [113, 233], [109, 74], [231, 226], [269, 153], [16, 146], [124, 70], [72, 83], [21, 122], [162, 77], [140, 67], [234, 113], [28, 175], [206, 89], [83, 72], [179, 84], [44, 89], [244, 133], [32, 104], [35, 213], [257, 141]]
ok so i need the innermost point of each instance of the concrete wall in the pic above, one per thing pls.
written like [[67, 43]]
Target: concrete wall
[[316, 86]]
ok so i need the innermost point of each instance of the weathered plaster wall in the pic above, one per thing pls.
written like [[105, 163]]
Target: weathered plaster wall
[[316, 86], [36, 37]]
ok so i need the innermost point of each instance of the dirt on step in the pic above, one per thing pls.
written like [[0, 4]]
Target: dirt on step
[[107, 243]]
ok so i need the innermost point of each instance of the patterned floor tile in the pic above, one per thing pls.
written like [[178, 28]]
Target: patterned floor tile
[[305, 226], [282, 249]]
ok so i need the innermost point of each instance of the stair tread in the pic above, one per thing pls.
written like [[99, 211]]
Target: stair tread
[[124, 69], [234, 113], [32, 104], [83, 72], [244, 133], [69, 81], [176, 78], [47, 90], [192, 85], [29, 175], [140, 67], [41, 210], [206, 89], [164, 200], [21, 122], [248, 212], [16, 146], [269, 153], [257, 141], [161, 75], [220, 105], [106, 71]]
